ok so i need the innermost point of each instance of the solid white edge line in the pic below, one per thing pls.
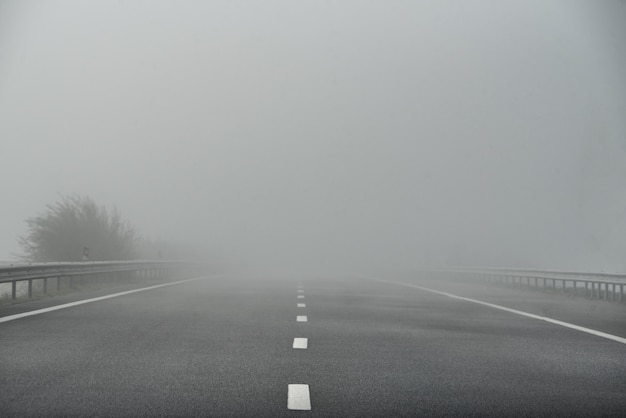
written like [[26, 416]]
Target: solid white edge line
[[301, 305], [298, 397], [82, 302], [300, 343], [515, 311], [302, 318]]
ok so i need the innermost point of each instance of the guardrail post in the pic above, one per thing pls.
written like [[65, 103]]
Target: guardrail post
[[30, 288], [612, 291], [45, 286], [58, 283], [13, 289], [621, 293]]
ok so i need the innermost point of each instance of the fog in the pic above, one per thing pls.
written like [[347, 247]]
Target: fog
[[326, 136]]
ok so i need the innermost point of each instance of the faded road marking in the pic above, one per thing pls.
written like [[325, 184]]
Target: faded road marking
[[515, 311], [298, 397], [301, 343], [82, 302], [301, 305], [301, 318]]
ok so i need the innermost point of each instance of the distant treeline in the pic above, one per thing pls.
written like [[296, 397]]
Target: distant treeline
[[77, 229]]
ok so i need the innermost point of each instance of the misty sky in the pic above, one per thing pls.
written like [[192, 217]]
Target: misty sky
[[326, 134]]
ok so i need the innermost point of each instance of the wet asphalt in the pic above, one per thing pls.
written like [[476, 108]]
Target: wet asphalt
[[222, 346]]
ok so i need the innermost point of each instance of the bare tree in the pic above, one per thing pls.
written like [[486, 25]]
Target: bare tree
[[76, 228]]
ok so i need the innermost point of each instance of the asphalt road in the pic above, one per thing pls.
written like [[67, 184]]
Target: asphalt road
[[224, 347]]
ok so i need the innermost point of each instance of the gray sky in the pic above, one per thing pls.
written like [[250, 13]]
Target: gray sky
[[326, 134]]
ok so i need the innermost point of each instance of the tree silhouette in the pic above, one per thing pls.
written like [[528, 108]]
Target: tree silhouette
[[74, 227]]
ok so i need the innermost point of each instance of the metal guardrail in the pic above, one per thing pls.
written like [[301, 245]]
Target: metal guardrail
[[609, 287], [105, 270]]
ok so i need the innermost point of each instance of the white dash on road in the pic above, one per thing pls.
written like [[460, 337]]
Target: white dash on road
[[82, 302], [300, 291], [515, 311], [300, 297], [301, 318], [301, 343], [298, 397], [301, 305]]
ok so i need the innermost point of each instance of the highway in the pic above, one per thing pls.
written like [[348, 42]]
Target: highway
[[224, 346]]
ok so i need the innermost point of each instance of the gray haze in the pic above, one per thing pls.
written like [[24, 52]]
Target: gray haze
[[326, 135]]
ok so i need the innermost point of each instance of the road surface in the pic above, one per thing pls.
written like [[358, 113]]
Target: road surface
[[251, 346]]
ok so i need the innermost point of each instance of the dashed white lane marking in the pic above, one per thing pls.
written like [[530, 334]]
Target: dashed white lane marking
[[81, 302], [515, 311], [300, 291], [298, 397], [301, 305], [302, 318], [301, 343], [300, 297]]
